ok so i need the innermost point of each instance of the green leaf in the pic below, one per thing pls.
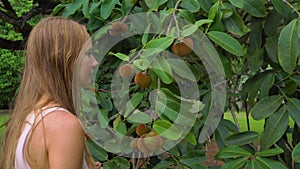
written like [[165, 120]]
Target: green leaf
[[181, 68], [267, 163], [103, 119], [205, 5], [190, 5], [241, 138], [293, 106], [162, 68], [167, 129], [161, 43], [227, 42], [282, 8], [190, 137], [85, 9], [272, 20], [252, 164], [120, 56], [194, 159], [235, 24], [202, 22], [121, 163], [146, 35], [270, 152], [232, 151], [271, 47], [236, 163], [139, 117], [154, 4], [254, 7], [296, 153], [266, 85], [163, 164], [97, 152], [71, 8], [99, 133], [275, 127], [189, 29], [134, 101], [289, 47], [106, 7], [265, 107]]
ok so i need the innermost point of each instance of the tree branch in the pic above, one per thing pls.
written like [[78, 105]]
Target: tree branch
[[11, 45]]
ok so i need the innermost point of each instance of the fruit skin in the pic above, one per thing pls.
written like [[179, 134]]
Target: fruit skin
[[141, 129], [142, 79], [150, 142], [126, 71], [117, 28], [182, 48], [133, 143]]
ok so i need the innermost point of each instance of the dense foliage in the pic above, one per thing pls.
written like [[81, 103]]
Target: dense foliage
[[258, 45]]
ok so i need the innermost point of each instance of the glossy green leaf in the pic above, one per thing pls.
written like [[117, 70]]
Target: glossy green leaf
[[205, 5], [202, 22], [167, 130], [265, 107], [241, 138], [271, 47], [139, 117], [103, 119], [188, 30], [121, 163], [270, 152], [272, 21], [146, 35], [163, 164], [161, 43], [181, 68], [134, 101], [296, 153], [97, 152], [106, 7], [266, 85], [154, 4], [252, 164], [232, 151], [194, 159], [99, 133], [282, 8], [162, 69], [190, 137], [254, 7], [235, 24], [267, 163], [71, 8], [227, 42], [120, 56], [85, 9], [289, 46], [236, 163], [190, 5], [293, 106], [275, 127]]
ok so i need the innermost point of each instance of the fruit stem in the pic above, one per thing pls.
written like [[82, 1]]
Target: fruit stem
[[129, 12], [175, 19], [137, 55]]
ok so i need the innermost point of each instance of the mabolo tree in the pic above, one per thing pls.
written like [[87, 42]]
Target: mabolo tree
[[146, 79]]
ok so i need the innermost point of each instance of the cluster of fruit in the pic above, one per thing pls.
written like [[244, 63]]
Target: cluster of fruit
[[148, 142]]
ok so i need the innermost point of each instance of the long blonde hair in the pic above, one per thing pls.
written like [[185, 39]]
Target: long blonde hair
[[51, 52]]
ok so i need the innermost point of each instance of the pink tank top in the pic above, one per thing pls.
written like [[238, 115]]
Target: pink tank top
[[20, 158]]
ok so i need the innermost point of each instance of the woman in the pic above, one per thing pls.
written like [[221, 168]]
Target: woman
[[43, 131]]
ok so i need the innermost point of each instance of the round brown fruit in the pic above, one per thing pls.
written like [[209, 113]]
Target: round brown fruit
[[183, 48], [117, 28], [150, 142], [126, 71], [141, 129], [133, 143], [142, 79]]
